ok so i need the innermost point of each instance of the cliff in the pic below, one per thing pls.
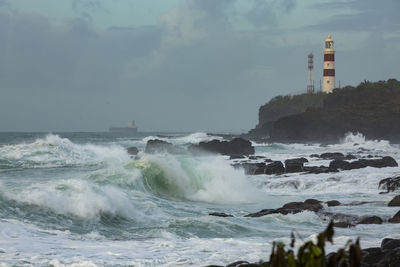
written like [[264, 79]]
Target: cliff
[[282, 106], [372, 109]]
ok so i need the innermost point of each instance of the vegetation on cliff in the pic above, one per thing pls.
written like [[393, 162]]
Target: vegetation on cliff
[[371, 108], [282, 106]]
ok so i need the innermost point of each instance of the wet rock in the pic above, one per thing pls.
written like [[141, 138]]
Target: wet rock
[[339, 164], [237, 157], [371, 220], [220, 214], [253, 168], [314, 156], [371, 256], [261, 213], [256, 157], [318, 169], [395, 202], [237, 263], [303, 206], [237, 146], [395, 218], [343, 224], [132, 150], [312, 201], [391, 258], [333, 203], [268, 160], [275, 167], [350, 157], [329, 155], [390, 243], [159, 146], [390, 184], [294, 165]]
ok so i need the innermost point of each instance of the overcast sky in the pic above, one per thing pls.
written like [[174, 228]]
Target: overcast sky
[[178, 65]]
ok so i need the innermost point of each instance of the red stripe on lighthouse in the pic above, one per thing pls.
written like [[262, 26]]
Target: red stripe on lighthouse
[[329, 57], [329, 72]]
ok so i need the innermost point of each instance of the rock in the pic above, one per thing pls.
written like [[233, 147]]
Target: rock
[[302, 206], [390, 184], [256, 157], [268, 160], [350, 157], [333, 203], [132, 150], [237, 146], [395, 202], [253, 168], [236, 157], [371, 256], [343, 225], [390, 243], [220, 214], [275, 167], [395, 218], [312, 201], [294, 165], [371, 220], [314, 156], [329, 155], [237, 263], [339, 164], [318, 169], [261, 213], [159, 146], [391, 258]]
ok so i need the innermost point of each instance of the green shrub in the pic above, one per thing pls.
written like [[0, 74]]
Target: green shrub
[[313, 255]]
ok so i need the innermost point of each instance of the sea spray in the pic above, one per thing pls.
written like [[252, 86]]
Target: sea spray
[[207, 179]]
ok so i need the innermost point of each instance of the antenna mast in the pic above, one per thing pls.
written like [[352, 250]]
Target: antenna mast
[[310, 83]]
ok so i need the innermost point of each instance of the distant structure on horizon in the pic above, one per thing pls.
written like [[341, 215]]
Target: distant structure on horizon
[[329, 66], [131, 129], [310, 82]]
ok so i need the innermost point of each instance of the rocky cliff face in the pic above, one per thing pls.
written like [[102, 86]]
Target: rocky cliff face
[[372, 109], [282, 106]]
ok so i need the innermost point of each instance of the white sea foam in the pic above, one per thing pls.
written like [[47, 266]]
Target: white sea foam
[[76, 197], [208, 179], [194, 138], [54, 151]]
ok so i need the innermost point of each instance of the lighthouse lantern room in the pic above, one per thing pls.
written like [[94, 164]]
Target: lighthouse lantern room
[[329, 66]]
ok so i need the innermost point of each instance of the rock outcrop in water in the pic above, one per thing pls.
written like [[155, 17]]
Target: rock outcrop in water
[[372, 109], [235, 148], [160, 146]]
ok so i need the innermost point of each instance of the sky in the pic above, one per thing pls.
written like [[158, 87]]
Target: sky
[[179, 65]]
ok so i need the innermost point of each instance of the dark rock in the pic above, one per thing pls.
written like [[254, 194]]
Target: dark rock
[[312, 201], [252, 168], [391, 258], [236, 157], [256, 157], [371, 220], [343, 224], [390, 184], [237, 263], [259, 171], [268, 160], [350, 157], [333, 203], [132, 150], [237, 146], [395, 202], [329, 155], [390, 243], [261, 213], [314, 156], [371, 256], [220, 214], [395, 218], [339, 164], [160, 146], [294, 165], [318, 169], [275, 167], [303, 206]]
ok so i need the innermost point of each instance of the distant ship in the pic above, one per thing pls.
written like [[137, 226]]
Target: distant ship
[[131, 129]]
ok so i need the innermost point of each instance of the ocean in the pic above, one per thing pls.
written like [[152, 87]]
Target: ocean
[[79, 199]]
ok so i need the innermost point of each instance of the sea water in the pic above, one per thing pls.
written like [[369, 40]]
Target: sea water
[[79, 199]]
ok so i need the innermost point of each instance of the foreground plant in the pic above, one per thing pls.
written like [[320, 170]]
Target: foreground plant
[[313, 255]]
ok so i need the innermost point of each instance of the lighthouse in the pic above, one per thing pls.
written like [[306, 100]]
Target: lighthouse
[[329, 66]]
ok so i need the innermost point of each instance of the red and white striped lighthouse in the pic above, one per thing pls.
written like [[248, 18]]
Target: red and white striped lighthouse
[[329, 66]]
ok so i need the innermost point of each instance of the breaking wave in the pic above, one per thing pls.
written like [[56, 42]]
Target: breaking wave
[[54, 151]]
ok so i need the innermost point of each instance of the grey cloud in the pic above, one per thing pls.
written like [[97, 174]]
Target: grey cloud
[[84, 8]]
